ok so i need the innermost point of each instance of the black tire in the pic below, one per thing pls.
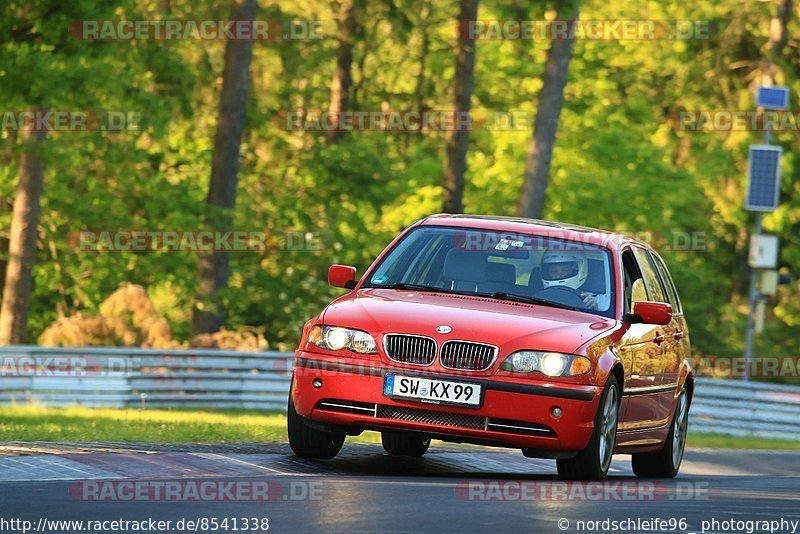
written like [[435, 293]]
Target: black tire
[[308, 442], [592, 463], [667, 462], [401, 443]]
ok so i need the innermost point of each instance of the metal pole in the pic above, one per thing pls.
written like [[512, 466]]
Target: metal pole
[[751, 315]]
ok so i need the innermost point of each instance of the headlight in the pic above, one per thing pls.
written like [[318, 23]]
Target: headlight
[[547, 363], [337, 338], [362, 342], [553, 363]]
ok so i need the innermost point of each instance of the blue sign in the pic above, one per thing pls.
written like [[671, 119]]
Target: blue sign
[[764, 178], [772, 97], [388, 385]]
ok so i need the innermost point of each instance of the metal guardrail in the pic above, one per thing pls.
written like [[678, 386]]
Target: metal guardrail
[[737, 408], [125, 377], [120, 377]]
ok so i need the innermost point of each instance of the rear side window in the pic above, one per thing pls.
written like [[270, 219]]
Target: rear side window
[[672, 293], [652, 282]]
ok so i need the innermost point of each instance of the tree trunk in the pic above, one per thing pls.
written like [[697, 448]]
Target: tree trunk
[[342, 82], [778, 28], [548, 110], [455, 163], [769, 66], [422, 59], [22, 244], [213, 267]]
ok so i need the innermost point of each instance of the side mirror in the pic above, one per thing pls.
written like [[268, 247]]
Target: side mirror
[[342, 276], [651, 312]]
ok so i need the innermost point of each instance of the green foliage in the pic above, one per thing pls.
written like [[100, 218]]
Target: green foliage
[[619, 161]]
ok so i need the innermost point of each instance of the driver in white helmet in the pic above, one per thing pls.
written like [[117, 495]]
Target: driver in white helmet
[[571, 269]]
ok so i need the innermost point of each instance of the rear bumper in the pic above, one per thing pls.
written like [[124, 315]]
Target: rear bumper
[[513, 414]]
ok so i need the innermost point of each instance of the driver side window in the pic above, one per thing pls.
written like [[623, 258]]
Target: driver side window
[[634, 284]]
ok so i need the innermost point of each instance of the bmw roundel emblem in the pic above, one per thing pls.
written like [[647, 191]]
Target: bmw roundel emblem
[[444, 329]]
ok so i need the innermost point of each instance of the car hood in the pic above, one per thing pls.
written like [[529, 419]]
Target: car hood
[[509, 325]]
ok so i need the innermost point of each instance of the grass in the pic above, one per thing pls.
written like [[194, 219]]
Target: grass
[[37, 423], [730, 442]]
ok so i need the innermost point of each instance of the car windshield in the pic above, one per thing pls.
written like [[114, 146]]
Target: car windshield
[[500, 265]]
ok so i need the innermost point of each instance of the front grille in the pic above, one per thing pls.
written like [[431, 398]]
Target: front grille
[[418, 415], [405, 348], [467, 356]]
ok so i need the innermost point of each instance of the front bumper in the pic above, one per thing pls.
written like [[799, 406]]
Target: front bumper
[[513, 414]]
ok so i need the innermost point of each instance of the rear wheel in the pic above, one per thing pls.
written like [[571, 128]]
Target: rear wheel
[[667, 462], [308, 442], [592, 463], [404, 443]]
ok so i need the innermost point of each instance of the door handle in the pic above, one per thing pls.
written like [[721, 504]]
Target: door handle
[[678, 335], [659, 339]]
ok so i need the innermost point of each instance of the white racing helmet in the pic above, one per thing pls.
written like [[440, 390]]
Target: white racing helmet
[[570, 269]]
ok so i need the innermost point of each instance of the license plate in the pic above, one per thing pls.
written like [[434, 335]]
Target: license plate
[[431, 390]]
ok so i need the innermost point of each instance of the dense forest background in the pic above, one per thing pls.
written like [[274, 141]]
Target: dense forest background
[[619, 161]]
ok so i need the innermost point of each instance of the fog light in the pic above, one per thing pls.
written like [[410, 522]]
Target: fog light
[[317, 383], [556, 411]]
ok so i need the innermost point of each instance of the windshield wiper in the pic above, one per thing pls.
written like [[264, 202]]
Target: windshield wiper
[[414, 287], [499, 295], [530, 300]]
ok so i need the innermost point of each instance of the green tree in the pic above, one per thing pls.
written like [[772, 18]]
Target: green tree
[[213, 267], [548, 110], [457, 144]]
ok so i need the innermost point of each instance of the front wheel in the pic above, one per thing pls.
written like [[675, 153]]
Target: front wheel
[[308, 442], [397, 442], [592, 463], [667, 462]]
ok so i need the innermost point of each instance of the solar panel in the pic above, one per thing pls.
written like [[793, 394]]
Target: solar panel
[[764, 178], [772, 97]]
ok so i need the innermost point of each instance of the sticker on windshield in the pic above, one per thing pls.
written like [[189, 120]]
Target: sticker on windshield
[[379, 279], [504, 244]]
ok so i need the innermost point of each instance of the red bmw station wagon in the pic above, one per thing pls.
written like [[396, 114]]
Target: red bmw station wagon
[[563, 341]]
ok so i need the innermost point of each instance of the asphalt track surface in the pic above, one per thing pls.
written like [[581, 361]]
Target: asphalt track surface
[[451, 489]]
